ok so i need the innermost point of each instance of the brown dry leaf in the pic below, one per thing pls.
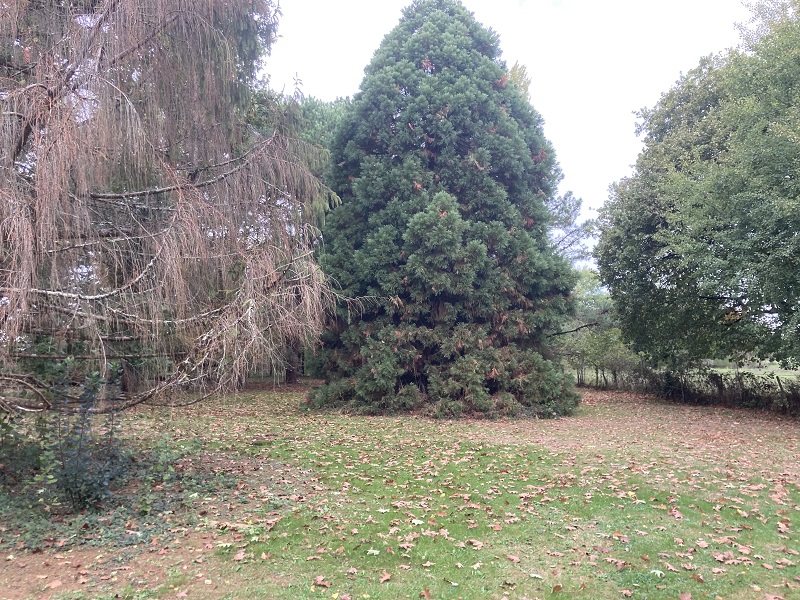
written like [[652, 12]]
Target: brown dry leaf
[[513, 558], [685, 596], [405, 567], [182, 594], [627, 593], [475, 544], [670, 567], [768, 567], [54, 584], [239, 555], [425, 594], [557, 588], [313, 557], [698, 577], [320, 581], [385, 577]]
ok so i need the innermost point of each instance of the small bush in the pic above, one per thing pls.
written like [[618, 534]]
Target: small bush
[[79, 452]]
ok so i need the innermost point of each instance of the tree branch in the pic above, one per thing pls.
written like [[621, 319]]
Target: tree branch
[[246, 158], [574, 330]]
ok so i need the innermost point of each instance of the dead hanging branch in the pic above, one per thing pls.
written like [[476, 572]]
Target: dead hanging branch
[[244, 160], [146, 232]]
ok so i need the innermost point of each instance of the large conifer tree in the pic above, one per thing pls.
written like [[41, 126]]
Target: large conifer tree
[[444, 172]]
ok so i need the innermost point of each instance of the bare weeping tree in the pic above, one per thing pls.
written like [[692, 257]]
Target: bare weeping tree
[[149, 238]]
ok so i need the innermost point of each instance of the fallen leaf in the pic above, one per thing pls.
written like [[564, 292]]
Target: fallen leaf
[[685, 596], [425, 594], [557, 588], [698, 577], [182, 594], [320, 581], [239, 555], [385, 577], [513, 558], [627, 593]]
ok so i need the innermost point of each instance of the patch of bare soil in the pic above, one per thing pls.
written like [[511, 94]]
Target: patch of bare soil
[[635, 425]]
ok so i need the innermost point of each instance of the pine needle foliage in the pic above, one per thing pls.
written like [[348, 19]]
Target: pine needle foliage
[[146, 231]]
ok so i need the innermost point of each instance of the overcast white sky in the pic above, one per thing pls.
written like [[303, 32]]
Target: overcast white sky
[[592, 63]]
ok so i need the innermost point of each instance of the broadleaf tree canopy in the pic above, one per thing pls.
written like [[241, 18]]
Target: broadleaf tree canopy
[[444, 174], [700, 246]]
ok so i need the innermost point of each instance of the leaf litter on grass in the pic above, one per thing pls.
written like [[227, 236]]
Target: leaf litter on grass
[[630, 497]]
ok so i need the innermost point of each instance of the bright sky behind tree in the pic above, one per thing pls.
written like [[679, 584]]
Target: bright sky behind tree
[[592, 63]]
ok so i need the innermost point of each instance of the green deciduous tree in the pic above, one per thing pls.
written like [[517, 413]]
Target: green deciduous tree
[[699, 247], [591, 340], [445, 174]]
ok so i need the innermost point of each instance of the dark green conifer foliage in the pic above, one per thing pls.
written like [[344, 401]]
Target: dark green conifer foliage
[[444, 171]]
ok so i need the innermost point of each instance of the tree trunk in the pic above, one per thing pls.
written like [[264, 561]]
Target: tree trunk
[[293, 364]]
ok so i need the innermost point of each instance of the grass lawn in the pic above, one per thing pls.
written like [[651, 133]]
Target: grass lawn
[[256, 497], [766, 371]]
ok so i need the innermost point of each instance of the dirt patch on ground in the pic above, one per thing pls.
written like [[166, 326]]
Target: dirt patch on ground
[[189, 566], [638, 425]]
